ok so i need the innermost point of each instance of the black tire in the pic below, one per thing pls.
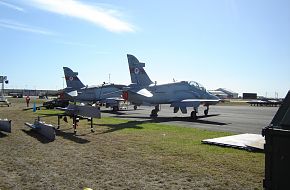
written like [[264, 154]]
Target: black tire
[[154, 113], [115, 108], [193, 115], [206, 112]]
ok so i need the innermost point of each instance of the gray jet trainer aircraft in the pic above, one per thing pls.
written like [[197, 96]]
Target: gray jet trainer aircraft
[[179, 95], [109, 94]]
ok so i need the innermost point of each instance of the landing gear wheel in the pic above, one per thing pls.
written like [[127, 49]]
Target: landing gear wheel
[[206, 112], [193, 115], [135, 107], [154, 113], [115, 108]]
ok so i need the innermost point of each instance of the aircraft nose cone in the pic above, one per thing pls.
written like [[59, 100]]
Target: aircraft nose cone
[[215, 97]]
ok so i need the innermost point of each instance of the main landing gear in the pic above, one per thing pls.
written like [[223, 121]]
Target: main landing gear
[[195, 111], [206, 110], [155, 111], [193, 114]]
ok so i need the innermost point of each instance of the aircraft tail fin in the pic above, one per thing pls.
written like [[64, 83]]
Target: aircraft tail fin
[[137, 72], [72, 80]]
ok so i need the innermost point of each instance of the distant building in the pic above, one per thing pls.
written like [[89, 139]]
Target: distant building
[[229, 93], [219, 94], [249, 95], [24, 92]]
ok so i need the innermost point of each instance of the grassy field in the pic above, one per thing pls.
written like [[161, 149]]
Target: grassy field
[[120, 154]]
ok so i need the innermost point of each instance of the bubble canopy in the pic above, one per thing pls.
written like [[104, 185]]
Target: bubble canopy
[[196, 85]]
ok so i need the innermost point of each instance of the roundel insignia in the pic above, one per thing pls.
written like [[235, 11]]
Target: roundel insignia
[[136, 71], [71, 78]]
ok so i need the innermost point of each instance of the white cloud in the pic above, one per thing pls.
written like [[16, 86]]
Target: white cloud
[[12, 6], [22, 27], [94, 14]]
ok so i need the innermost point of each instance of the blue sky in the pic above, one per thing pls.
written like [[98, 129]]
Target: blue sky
[[242, 45]]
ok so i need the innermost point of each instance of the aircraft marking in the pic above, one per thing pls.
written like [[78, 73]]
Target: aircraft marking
[[136, 71]]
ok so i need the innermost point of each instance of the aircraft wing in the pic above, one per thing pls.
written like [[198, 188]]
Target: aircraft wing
[[194, 102], [86, 111], [112, 100], [69, 108]]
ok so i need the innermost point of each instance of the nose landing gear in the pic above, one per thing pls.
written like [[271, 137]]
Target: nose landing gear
[[206, 111], [193, 114], [154, 112]]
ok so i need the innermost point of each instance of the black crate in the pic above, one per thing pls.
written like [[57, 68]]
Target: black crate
[[277, 149]]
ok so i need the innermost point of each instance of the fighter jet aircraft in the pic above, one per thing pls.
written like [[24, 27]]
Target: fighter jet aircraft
[[179, 95], [109, 94]]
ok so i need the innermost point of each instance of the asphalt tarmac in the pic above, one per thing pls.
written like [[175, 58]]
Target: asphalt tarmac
[[235, 119]]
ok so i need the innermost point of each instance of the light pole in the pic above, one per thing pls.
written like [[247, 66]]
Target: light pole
[[3, 79]]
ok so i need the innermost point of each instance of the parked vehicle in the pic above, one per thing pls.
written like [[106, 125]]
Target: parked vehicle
[[56, 103]]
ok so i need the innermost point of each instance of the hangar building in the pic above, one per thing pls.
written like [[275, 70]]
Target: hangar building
[[229, 93]]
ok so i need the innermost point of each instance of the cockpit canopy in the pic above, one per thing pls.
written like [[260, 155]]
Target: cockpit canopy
[[196, 85]]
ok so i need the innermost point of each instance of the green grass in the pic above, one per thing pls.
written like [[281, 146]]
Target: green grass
[[120, 154], [180, 149], [48, 112]]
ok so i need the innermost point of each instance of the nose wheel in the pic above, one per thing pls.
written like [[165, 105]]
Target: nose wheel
[[193, 115], [155, 111], [206, 111]]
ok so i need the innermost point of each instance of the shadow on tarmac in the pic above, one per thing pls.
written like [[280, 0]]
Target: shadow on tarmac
[[120, 112], [136, 124], [170, 119]]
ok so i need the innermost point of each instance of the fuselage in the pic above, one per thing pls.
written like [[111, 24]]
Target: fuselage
[[97, 93], [172, 92]]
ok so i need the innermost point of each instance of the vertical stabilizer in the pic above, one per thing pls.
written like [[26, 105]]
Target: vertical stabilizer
[[137, 72], [72, 80]]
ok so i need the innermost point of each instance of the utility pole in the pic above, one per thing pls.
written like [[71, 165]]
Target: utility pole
[[3, 79]]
